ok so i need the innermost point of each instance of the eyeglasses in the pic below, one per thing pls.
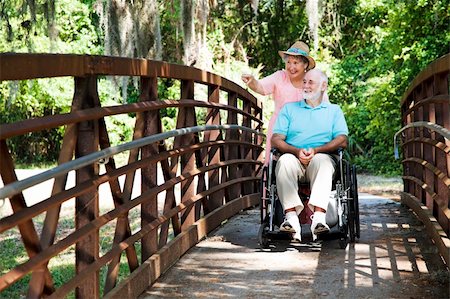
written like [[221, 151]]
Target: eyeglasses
[[310, 82]]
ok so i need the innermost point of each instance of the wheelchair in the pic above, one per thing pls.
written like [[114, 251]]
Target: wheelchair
[[342, 213]]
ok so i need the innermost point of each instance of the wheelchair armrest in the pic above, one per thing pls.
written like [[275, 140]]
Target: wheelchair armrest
[[274, 151]]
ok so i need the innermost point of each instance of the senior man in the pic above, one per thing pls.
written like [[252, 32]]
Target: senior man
[[306, 133]]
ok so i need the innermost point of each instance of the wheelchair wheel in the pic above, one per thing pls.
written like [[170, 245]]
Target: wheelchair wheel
[[355, 201], [350, 208], [262, 234], [353, 205], [343, 241], [263, 192]]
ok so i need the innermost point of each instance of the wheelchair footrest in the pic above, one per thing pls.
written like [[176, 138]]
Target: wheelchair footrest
[[278, 235]]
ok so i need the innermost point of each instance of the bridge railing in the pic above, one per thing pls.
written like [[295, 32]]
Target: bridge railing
[[425, 143], [187, 186]]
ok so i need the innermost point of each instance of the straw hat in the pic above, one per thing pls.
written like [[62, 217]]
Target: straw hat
[[299, 49]]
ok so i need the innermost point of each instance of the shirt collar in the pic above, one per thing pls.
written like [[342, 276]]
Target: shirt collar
[[323, 104]]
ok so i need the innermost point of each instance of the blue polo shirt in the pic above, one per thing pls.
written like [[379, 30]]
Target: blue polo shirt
[[308, 127]]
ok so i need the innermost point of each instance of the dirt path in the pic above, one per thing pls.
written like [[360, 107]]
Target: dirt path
[[393, 259]]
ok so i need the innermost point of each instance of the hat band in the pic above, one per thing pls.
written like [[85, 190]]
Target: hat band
[[297, 51]]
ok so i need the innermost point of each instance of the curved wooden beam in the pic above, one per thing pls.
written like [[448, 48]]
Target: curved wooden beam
[[434, 229], [438, 173], [434, 195], [54, 121], [23, 66], [440, 65]]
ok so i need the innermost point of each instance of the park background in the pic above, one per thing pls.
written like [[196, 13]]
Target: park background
[[370, 49]]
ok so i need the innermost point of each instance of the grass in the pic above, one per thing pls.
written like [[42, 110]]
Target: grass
[[380, 185], [120, 159], [62, 266]]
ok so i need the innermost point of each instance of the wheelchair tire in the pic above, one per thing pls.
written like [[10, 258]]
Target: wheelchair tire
[[343, 241], [355, 201], [263, 190], [262, 234], [350, 208]]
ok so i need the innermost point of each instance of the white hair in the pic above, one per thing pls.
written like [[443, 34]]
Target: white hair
[[322, 75]]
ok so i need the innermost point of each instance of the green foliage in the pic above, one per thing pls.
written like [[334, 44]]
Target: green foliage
[[29, 99], [371, 51], [71, 30], [383, 45], [172, 39], [275, 26], [24, 29]]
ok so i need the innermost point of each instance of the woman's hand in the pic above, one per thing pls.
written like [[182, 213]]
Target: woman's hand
[[247, 78], [252, 83]]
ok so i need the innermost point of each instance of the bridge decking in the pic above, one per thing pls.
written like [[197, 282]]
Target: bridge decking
[[395, 258]]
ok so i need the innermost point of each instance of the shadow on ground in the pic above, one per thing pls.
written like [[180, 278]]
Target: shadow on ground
[[394, 258]]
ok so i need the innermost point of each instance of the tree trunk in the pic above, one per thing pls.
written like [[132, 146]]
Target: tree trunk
[[147, 37], [187, 19], [312, 10]]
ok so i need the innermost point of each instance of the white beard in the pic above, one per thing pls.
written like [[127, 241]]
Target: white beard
[[312, 96]]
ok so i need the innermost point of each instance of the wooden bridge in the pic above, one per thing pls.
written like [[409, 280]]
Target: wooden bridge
[[191, 178]]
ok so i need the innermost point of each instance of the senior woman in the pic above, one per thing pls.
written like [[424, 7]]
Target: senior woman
[[284, 85]]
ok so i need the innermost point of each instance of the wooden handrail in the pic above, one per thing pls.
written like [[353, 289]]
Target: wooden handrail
[[439, 66], [18, 66]]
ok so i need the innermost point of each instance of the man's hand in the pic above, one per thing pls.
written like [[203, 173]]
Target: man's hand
[[305, 155]]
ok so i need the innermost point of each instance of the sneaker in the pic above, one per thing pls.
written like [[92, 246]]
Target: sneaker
[[297, 237], [319, 225], [321, 228], [287, 227]]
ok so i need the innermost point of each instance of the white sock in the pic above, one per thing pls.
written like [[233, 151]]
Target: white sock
[[293, 220], [319, 217]]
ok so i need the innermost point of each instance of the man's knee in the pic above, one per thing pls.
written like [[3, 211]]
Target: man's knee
[[287, 161], [322, 160], [287, 158]]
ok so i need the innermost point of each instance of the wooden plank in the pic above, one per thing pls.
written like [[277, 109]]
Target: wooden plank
[[247, 152], [122, 230], [65, 155], [445, 209], [232, 152]]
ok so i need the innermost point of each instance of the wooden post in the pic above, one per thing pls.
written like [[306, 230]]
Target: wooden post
[[213, 118], [187, 118], [149, 208], [86, 205]]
